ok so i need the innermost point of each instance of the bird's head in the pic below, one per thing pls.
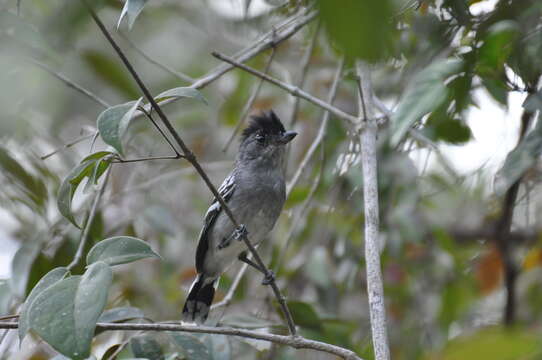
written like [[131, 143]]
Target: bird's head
[[264, 140]]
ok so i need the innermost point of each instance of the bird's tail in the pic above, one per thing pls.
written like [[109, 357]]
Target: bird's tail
[[198, 303]]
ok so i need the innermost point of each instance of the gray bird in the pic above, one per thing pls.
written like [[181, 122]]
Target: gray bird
[[255, 193]]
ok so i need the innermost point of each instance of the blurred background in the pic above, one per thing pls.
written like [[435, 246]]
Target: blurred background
[[452, 275]]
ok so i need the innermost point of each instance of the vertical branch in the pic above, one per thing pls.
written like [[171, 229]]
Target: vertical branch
[[375, 288], [90, 219], [503, 236], [250, 102], [305, 62]]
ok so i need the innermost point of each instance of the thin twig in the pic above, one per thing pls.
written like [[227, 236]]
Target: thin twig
[[294, 90], [190, 157], [375, 287], [159, 129], [297, 342], [122, 161], [88, 223], [321, 131], [166, 68], [302, 211], [305, 61], [250, 102], [272, 38], [66, 146], [69, 82], [229, 296]]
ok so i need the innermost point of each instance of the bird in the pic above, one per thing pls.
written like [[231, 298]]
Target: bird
[[255, 193]]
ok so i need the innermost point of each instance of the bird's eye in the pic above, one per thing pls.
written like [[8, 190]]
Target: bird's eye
[[260, 138]]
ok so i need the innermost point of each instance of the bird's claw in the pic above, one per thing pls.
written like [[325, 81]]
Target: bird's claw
[[269, 278], [240, 233]]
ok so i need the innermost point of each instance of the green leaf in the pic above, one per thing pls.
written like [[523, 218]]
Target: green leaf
[[304, 315], [219, 345], [5, 297], [51, 278], [131, 10], [113, 122], [33, 187], [496, 89], [121, 314], [519, 160], [361, 28], [97, 156], [192, 346], [111, 72], [65, 314], [120, 250], [497, 46], [21, 266], [180, 92], [87, 168], [426, 94], [493, 343], [452, 131], [146, 347]]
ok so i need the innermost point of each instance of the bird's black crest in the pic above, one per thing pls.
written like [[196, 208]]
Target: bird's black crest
[[267, 122]]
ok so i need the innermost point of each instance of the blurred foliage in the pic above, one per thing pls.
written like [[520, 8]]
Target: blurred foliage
[[442, 272]]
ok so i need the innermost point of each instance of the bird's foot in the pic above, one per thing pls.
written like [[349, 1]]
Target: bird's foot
[[240, 233], [269, 278]]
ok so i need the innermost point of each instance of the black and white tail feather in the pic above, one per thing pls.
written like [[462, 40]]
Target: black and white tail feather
[[198, 302]]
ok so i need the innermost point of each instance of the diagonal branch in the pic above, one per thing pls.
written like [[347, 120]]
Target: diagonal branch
[[146, 56], [297, 342], [321, 131], [294, 90], [69, 82], [90, 219], [191, 158], [272, 38], [250, 102]]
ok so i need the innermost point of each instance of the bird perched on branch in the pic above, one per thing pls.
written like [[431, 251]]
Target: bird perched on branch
[[255, 193]]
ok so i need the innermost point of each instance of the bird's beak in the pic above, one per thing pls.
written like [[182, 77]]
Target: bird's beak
[[287, 137]]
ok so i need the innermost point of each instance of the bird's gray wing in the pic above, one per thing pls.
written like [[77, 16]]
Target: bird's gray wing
[[225, 190]]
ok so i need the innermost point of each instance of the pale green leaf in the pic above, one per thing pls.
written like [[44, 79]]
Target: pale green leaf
[[131, 10], [193, 347], [45, 282], [120, 250], [181, 92], [113, 121], [426, 94], [65, 314]]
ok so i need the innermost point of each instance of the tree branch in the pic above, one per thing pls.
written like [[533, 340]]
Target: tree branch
[[321, 131], [297, 342], [70, 83], [503, 235], [88, 223], [375, 288], [190, 157], [293, 90], [166, 68], [250, 102], [305, 61]]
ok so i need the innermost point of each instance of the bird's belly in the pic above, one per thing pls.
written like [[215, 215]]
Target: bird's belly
[[220, 258]]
